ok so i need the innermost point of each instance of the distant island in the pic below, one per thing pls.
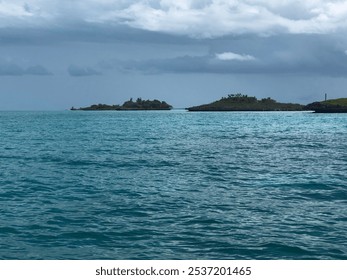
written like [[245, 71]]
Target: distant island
[[240, 102], [139, 104], [329, 106], [233, 102]]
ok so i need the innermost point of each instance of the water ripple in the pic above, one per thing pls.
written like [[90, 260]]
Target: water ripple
[[172, 185]]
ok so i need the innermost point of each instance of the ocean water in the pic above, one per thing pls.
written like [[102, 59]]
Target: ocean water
[[173, 185]]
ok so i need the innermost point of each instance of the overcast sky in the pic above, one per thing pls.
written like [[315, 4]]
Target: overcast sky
[[55, 54]]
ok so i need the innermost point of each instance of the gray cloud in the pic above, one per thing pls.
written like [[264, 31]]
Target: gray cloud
[[79, 71], [287, 54], [195, 18], [12, 69]]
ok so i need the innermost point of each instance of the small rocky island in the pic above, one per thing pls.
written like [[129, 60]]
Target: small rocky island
[[240, 102], [139, 104], [328, 106]]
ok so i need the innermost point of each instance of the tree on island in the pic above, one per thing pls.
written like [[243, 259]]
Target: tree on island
[[239, 97]]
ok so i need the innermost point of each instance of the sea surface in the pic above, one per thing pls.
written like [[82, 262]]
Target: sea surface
[[173, 185]]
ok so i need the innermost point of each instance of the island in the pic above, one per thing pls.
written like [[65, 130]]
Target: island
[[241, 102], [328, 106], [139, 104]]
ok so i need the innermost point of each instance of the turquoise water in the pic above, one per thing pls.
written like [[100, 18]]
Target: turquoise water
[[173, 185]]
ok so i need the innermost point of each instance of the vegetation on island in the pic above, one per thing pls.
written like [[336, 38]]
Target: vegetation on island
[[139, 104], [241, 102], [329, 106]]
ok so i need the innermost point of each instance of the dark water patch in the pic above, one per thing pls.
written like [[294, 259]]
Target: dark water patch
[[278, 250], [340, 195], [85, 237], [322, 196], [341, 219], [8, 230]]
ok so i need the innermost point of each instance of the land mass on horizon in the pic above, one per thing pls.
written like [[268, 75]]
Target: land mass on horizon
[[241, 102], [328, 106], [139, 104], [233, 102]]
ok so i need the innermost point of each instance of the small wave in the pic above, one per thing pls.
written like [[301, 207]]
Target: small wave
[[279, 250]]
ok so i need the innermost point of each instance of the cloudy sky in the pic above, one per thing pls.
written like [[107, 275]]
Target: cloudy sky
[[55, 54]]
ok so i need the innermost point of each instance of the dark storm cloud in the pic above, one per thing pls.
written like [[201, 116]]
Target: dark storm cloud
[[291, 48], [79, 71], [194, 18], [286, 54], [191, 18], [87, 32]]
